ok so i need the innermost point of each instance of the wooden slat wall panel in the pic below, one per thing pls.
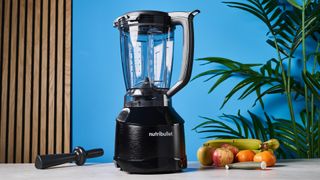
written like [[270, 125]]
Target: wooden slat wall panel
[[35, 78]]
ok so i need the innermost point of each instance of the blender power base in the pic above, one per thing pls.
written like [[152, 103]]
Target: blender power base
[[143, 146]]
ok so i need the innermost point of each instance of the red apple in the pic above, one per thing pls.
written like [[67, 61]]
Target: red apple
[[222, 157], [204, 155], [233, 149]]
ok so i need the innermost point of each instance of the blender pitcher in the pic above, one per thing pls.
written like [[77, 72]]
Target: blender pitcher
[[149, 132]]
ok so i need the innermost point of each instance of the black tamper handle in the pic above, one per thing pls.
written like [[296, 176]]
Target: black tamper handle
[[94, 153], [79, 156]]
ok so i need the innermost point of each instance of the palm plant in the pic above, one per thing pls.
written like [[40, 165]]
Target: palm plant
[[289, 26]]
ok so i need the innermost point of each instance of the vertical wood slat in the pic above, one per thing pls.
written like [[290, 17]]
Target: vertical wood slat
[[52, 49], [59, 74], [28, 81], [35, 78], [44, 62], [67, 76], [12, 83], [20, 78], [4, 80]]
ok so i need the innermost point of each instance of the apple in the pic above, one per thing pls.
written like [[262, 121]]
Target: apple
[[233, 149], [204, 155], [222, 157]]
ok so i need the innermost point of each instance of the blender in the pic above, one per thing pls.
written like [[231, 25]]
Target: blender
[[149, 132]]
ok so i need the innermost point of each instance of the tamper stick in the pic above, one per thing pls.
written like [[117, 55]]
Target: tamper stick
[[79, 156]]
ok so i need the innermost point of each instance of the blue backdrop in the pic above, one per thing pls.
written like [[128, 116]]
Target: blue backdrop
[[98, 86]]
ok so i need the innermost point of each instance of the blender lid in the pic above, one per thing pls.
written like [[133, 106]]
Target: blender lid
[[144, 17]]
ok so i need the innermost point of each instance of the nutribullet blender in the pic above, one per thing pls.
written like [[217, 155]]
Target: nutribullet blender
[[149, 132]]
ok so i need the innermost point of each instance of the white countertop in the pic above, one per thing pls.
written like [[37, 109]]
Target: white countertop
[[286, 169]]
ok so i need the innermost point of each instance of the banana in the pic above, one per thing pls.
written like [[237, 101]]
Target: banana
[[241, 144], [271, 144]]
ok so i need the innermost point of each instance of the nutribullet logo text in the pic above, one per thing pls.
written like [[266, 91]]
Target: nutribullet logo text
[[160, 133]]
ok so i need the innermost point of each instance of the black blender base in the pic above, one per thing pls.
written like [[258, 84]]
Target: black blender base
[[152, 166], [150, 140]]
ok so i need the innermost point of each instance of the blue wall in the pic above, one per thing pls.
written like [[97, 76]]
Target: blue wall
[[98, 86]]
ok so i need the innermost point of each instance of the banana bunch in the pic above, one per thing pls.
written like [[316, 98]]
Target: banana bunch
[[244, 144]]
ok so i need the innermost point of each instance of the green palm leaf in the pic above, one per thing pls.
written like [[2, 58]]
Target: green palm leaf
[[295, 4], [252, 80], [312, 83]]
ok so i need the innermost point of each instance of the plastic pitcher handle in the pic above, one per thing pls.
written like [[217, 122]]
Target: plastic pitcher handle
[[185, 19]]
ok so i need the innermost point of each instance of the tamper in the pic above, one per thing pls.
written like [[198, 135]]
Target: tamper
[[79, 156]]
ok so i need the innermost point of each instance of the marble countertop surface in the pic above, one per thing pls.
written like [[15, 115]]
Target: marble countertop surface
[[285, 169]]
